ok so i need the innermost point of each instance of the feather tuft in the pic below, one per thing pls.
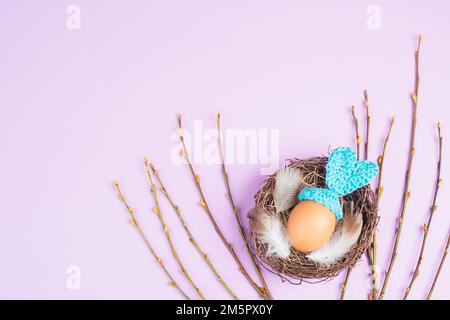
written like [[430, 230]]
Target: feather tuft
[[342, 240], [288, 182], [272, 232]]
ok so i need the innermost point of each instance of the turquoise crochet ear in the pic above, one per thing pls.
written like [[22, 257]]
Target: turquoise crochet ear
[[339, 168], [362, 173], [344, 174]]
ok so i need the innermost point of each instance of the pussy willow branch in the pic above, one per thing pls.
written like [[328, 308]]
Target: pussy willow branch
[[370, 256], [344, 285], [235, 210], [135, 223], [441, 264], [377, 204], [406, 192], [357, 136], [208, 211], [368, 121], [189, 233], [157, 210], [426, 227], [358, 143]]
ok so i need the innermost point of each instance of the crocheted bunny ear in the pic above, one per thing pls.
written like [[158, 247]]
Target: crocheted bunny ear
[[344, 174]]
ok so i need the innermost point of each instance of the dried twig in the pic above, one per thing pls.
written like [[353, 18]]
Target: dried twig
[[157, 210], [441, 264], [135, 223], [426, 227], [357, 136], [368, 120], [344, 285], [358, 152], [235, 210], [406, 192], [188, 232], [380, 189], [205, 206], [371, 256]]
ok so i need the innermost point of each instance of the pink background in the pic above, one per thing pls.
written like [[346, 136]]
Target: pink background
[[81, 108]]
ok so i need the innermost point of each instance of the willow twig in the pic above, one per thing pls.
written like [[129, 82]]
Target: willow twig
[[135, 223], [441, 264], [189, 233], [157, 210], [380, 190], [344, 285], [357, 136], [370, 256], [368, 120], [235, 210], [208, 211], [426, 227], [358, 147], [406, 192]]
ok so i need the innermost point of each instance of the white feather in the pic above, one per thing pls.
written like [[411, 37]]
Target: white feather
[[272, 232], [339, 244], [287, 186]]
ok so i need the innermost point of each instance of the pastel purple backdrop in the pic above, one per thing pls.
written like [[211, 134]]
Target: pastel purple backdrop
[[80, 108]]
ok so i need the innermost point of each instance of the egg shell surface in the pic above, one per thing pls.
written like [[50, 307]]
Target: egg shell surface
[[310, 225]]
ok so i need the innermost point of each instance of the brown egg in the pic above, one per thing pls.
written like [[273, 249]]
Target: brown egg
[[310, 225]]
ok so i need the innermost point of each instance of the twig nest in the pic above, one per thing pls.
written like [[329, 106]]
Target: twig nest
[[291, 263]]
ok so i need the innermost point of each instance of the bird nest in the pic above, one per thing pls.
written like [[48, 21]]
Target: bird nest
[[297, 265]]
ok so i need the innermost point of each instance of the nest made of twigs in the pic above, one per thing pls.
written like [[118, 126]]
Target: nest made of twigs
[[297, 266]]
